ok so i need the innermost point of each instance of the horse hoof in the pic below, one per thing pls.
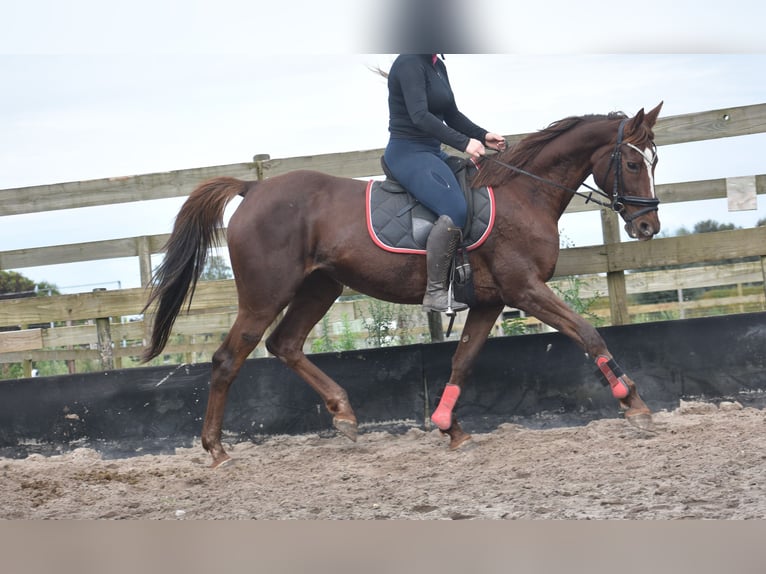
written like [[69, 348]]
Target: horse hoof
[[221, 461], [346, 427], [461, 443], [641, 421]]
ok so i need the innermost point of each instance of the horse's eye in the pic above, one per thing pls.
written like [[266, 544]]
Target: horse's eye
[[632, 166]]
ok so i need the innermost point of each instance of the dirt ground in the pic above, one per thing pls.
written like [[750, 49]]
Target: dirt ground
[[705, 461]]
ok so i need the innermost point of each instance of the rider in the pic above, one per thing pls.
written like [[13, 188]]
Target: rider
[[422, 116]]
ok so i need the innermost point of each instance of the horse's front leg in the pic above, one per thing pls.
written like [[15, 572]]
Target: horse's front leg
[[544, 304], [475, 331]]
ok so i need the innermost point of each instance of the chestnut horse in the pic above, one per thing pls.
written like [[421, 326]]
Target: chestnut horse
[[296, 239]]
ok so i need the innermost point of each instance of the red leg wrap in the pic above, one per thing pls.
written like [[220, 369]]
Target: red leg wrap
[[442, 416], [614, 376]]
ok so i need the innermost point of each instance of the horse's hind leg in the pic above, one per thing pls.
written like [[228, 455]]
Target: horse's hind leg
[[244, 335], [311, 302]]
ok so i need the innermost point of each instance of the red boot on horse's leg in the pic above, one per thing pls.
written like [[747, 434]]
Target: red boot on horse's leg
[[442, 416], [624, 389], [613, 376]]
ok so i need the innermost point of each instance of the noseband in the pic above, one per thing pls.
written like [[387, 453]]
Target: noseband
[[616, 201]]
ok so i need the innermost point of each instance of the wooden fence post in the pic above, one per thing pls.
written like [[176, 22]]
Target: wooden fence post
[[258, 160], [145, 266], [71, 365], [681, 308], [435, 326], [105, 349], [105, 343], [144, 259], [763, 271], [615, 280], [26, 365]]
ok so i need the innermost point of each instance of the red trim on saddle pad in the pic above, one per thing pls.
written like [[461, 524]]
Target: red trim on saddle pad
[[377, 241], [371, 230]]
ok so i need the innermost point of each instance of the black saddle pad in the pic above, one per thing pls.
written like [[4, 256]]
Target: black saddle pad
[[398, 222]]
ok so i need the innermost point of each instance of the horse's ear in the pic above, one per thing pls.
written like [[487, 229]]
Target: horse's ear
[[651, 118], [634, 123]]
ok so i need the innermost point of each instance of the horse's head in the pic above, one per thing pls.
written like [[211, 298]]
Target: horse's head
[[624, 169]]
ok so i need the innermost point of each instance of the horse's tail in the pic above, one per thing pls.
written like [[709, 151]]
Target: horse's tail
[[195, 231]]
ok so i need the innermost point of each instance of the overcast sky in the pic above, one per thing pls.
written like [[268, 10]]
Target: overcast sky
[[90, 92]]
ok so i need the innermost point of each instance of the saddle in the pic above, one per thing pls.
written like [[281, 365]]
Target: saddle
[[399, 223]]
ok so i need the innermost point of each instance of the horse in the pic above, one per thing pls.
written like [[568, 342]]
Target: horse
[[297, 238]]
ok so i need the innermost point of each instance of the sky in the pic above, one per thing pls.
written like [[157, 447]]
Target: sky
[[92, 90]]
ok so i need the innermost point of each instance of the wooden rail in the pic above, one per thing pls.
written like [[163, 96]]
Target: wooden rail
[[722, 123], [212, 314], [614, 268]]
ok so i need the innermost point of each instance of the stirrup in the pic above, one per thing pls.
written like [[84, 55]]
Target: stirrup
[[452, 306], [450, 312]]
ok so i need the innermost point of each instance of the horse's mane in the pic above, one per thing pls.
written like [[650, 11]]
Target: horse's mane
[[520, 155]]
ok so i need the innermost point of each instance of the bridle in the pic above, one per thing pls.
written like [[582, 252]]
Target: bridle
[[616, 200]]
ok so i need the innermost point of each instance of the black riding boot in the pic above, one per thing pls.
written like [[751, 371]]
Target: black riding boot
[[440, 249]]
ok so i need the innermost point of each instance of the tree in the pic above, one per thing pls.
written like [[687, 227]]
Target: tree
[[706, 226], [45, 289], [13, 282], [709, 226], [215, 269]]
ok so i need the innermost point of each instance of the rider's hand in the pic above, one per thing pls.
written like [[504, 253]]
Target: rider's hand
[[495, 141], [475, 148]]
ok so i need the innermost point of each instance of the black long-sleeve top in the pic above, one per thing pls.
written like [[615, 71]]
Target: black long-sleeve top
[[422, 106]]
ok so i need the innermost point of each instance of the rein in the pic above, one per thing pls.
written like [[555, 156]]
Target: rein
[[588, 197], [615, 201]]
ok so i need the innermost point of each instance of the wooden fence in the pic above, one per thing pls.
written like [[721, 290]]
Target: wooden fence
[[103, 321]]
